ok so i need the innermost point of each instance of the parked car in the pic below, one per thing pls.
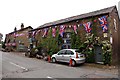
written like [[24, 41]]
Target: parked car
[[66, 55]]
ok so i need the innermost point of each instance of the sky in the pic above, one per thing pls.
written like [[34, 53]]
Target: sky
[[38, 12]]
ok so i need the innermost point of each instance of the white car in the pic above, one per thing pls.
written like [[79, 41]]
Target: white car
[[66, 55]]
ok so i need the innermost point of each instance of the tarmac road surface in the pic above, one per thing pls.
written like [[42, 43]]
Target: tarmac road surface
[[16, 65]]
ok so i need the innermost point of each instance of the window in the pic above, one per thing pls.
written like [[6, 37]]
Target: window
[[69, 52], [61, 52], [66, 46], [67, 35]]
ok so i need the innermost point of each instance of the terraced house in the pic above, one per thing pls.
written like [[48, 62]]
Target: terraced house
[[95, 34], [18, 39]]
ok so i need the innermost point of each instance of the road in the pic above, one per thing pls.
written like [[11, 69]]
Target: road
[[16, 65]]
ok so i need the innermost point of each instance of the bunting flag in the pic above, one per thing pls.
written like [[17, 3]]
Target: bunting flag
[[53, 32], [19, 34], [33, 33], [45, 32], [87, 27], [61, 32], [14, 35], [6, 44], [27, 35], [37, 32], [75, 29], [13, 44], [103, 23], [9, 44]]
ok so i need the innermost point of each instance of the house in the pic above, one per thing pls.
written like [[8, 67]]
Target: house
[[94, 33], [18, 39]]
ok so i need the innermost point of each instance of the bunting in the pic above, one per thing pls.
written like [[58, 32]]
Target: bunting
[[14, 35], [61, 32], [21, 34], [45, 32], [54, 32], [87, 27], [37, 32], [75, 29], [103, 23], [33, 33]]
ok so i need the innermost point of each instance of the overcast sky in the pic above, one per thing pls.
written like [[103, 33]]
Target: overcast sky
[[37, 12]]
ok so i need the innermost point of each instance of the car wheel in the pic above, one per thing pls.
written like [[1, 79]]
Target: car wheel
[[73, 63], [53, 60]]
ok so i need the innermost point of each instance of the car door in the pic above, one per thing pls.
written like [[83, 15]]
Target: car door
[[60, 55], [68, 54]]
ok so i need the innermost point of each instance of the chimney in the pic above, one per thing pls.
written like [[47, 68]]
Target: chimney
[[22, 25], [15, 29]]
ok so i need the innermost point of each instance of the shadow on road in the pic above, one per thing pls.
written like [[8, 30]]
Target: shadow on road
[[67, 64]]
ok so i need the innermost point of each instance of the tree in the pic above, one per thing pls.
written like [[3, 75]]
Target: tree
[[75, 41]]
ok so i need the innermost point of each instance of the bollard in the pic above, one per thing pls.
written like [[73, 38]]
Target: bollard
[[49, 59], [70, 62]]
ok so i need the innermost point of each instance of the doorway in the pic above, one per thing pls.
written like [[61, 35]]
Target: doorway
[[98, 54]]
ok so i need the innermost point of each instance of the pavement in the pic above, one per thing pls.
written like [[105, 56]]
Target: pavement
[[16, 65]]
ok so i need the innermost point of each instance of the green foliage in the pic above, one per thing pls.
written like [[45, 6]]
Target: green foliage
[[85, 47], [89, 48], [107, 52], [59, 40], [3, 45], [50, 43], [90, 56], [94, 26], [75, 41], [89, 44]]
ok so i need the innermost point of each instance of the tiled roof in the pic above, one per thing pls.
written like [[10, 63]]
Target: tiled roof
[[21, 29], [82, 16]]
